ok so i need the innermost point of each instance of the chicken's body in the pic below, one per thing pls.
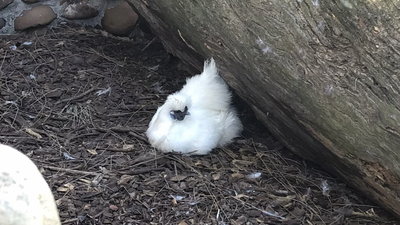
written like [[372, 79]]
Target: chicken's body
[[197, 118]]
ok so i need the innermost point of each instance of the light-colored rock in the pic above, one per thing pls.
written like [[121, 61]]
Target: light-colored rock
[[119, 20], [5, 3], [39, 15], [25, 197], [81, 10]]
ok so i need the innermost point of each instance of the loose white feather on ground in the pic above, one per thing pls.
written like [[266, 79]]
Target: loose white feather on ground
[[198, 118]]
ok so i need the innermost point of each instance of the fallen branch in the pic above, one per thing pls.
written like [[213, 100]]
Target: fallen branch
[[78, 96], [138, 137], [142, 171], [70, 170]]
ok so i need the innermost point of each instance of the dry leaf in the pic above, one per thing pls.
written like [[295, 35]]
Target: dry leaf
[[242, 162], [33, 133], [278, 200], [178, 178], [86, 207], [58, 201], [240, 221], [240, 196], [97, 179], [260, 221], [182, 223], [92, 151], [231, 153], [113, 207], [237, 175], [29, 154], [128, 147], [125, 179], [66, 187], [149, 193], [174, 202], [216, 176], [85, 180]]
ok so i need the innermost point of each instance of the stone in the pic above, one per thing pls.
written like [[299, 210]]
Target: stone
[[81, 10], [120, 20], [30, 1], [25, 197], [39, 15], [2, 22], [5, 3]]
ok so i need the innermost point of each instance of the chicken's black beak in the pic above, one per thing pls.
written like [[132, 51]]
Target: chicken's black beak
[[179, 115]]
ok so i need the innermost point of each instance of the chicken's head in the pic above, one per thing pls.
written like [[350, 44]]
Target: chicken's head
[[178, 105]]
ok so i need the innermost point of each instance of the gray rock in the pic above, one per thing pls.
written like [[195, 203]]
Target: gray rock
[[2, 22], [39, 15], [30, 1], [5, 3], [119, 20], [81, 10]]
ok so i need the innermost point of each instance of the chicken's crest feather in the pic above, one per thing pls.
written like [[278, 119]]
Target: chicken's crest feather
[[178, 101]]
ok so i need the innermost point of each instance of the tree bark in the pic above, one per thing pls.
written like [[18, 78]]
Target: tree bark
[[322, 76]]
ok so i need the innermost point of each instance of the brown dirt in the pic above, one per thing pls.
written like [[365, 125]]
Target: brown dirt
[[93, 152]]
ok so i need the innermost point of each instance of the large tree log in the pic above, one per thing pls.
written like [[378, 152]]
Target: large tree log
[[322, 76]]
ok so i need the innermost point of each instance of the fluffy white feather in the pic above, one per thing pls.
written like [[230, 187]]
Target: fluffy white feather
[[197, 118]]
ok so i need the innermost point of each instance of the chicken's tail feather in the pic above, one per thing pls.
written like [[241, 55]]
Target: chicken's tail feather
[[210, 69], [232, 127]]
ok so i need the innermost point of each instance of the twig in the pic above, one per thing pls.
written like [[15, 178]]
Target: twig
[[118, 149], [261, 210], [119, 114], [121, 129], [70, 170], [138, 137], [124, 130], [142, 161], [183, 163], [2, 62], [76, 219], [70, 220], [148, 44], [81, 136], [108, 58], [52, 55], [142, 171], [78, 96]]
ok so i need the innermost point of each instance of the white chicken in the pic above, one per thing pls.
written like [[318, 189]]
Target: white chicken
[[198, 118]]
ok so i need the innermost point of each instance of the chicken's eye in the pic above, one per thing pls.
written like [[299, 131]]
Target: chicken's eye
[[178, 114], [172, 114]]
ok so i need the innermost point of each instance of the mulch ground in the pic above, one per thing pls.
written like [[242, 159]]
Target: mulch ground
[[78, 102]]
